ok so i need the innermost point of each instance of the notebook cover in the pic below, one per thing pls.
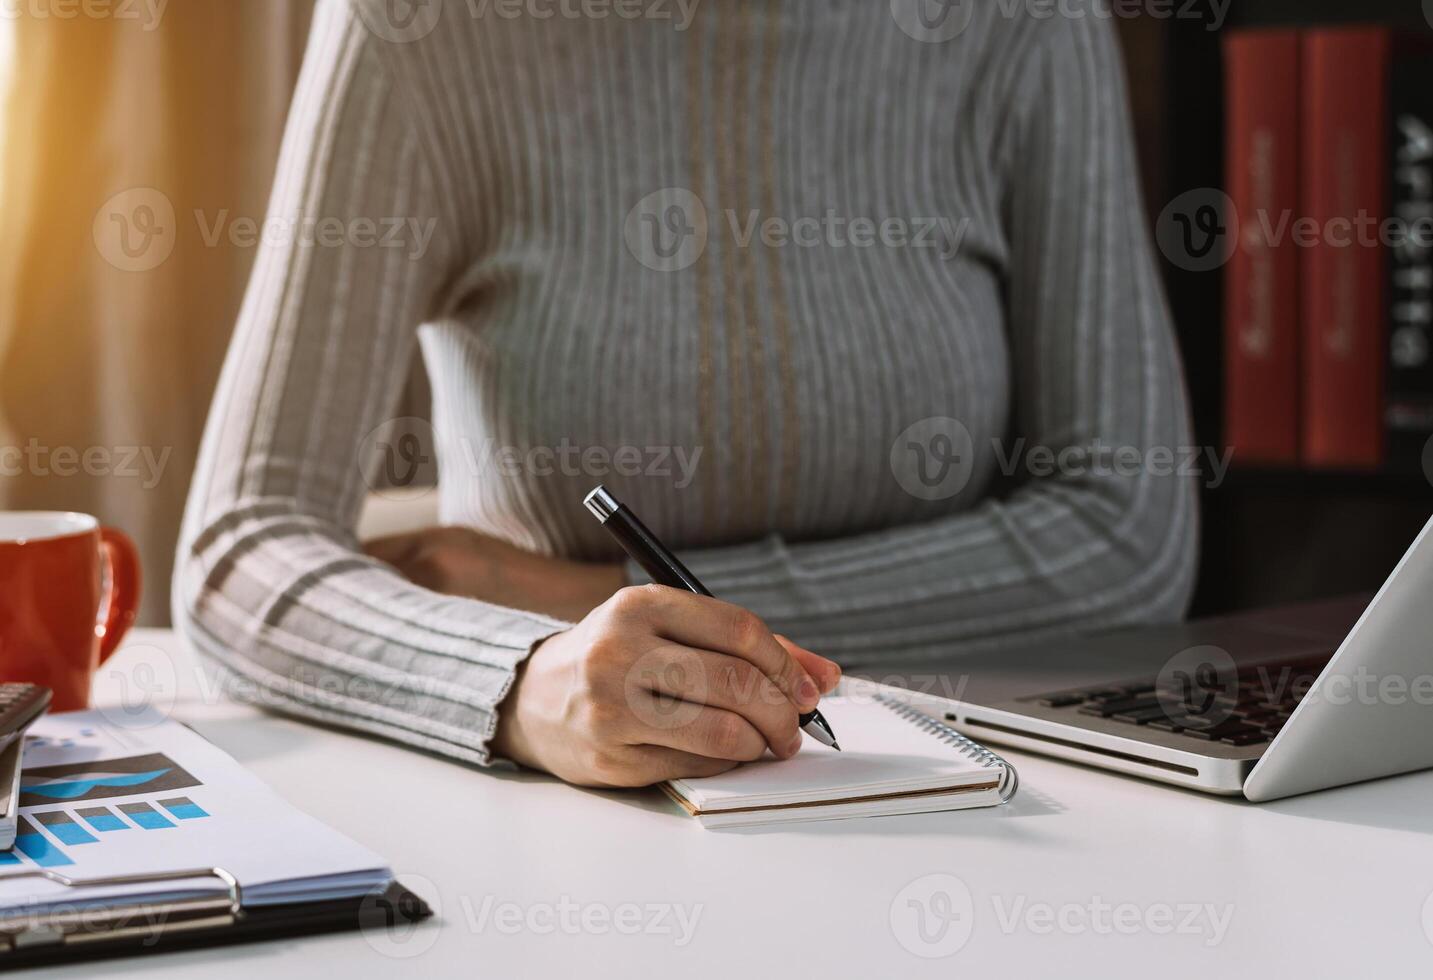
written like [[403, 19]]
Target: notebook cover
[[907, 756], [691, 807]]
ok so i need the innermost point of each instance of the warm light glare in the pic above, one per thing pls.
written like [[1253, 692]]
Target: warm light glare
[[7, 40], [7, 61]]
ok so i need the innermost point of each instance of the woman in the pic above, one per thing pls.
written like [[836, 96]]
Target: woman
[[889, 289]]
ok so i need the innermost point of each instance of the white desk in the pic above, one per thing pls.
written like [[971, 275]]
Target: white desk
[[1085, 873]]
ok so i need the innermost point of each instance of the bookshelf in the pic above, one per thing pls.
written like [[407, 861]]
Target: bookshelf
[[1269, 535]]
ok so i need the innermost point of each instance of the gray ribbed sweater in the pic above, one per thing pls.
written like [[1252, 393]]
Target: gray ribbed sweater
[[895, 230]]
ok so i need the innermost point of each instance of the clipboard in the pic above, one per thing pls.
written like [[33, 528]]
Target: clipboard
[[140, 926]]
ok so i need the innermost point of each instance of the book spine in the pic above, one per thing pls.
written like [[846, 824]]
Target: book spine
[[1261, 295], [1345, 96], [1408, 388]]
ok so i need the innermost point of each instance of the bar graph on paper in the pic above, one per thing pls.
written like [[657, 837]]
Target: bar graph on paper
[[80, 805]]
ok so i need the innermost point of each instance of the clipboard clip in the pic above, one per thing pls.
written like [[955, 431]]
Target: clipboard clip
[[75, 925]]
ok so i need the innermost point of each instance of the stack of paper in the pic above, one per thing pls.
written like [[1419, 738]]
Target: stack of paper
[[99, 800], [890, 765]]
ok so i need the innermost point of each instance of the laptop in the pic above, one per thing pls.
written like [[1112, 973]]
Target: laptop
[[1265, 704]]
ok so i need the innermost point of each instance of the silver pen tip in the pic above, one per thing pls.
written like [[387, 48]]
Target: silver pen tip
[[602, 504], [821, 733]]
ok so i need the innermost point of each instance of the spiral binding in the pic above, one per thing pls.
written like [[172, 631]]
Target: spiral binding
[[1009, 778]]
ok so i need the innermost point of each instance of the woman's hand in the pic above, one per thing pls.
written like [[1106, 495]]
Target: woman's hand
[[659, 684], [460, 561]]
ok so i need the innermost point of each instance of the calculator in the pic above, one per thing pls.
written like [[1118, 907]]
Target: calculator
[[20, 704]]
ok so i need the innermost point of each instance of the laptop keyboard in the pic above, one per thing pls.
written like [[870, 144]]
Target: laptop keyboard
[[1248, 708]]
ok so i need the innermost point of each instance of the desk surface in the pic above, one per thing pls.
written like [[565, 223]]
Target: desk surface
[[1087, 872]]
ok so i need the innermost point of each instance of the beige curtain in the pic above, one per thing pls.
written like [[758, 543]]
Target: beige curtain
[[115, 311]]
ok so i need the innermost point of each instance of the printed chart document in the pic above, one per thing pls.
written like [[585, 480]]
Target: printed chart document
[[99, 800]]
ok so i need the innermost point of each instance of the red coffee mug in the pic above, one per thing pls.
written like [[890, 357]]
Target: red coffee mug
[[69, 589]]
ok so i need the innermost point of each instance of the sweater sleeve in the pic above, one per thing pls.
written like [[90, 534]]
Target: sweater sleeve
[[271, 584], [1098, 542]]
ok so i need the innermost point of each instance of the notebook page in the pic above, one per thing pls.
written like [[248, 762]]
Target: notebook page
[[884, 753]]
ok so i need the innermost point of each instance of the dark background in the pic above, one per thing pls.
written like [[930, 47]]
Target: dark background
[[1268, 536]]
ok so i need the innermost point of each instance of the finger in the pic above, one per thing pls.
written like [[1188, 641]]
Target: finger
[[710, 624], [700, 729], [722, 681], [658, 763], [826, 673]]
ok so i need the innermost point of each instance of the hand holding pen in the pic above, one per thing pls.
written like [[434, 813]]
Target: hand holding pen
[[656, 684], [666, 569]]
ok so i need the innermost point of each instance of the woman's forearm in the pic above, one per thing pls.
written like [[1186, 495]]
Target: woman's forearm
[[270, 581], [1047, 561]]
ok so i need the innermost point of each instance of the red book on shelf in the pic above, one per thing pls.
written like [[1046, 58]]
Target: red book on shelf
[[1345, 75], [1261, 292]]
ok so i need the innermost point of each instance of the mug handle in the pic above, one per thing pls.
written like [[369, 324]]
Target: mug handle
[[124, 580]]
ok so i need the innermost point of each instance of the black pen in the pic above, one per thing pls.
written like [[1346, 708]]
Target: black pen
[[666, 569]]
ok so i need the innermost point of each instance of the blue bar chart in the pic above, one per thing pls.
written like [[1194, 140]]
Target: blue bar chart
[[66, 829], [86, 811], [183, 808], [102, 818], [145, 816], [37, 847]]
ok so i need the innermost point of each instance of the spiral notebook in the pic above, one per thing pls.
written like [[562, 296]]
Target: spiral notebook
[[897, 760]]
